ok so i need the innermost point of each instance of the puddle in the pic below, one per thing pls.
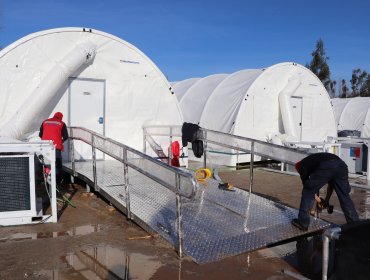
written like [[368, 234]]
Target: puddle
[[103, 262], [364, 205], [75, 231]]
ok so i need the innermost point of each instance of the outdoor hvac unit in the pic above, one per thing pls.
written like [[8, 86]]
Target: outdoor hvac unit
[[17, 189], [355, 156]]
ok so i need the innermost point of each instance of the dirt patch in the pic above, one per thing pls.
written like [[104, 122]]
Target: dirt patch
[[96, 241]]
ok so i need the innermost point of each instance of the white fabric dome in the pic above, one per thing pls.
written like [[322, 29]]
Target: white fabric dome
[[47, 72], [285, 99], [353, 114]]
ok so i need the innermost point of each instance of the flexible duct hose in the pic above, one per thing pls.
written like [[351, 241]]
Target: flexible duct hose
[[29, 116]]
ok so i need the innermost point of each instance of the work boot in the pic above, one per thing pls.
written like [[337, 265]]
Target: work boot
[[297, 224]]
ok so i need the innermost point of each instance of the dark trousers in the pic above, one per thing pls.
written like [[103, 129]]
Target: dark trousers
[[334, 172], [58, 166]]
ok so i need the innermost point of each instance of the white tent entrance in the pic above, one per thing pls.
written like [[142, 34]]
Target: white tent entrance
[[297, 104], [86, 109]]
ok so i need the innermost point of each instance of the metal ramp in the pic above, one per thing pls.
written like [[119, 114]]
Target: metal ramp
[[208, 225]]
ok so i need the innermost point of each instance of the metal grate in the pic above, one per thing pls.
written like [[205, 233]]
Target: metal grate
[[14, 184], [216, 223]]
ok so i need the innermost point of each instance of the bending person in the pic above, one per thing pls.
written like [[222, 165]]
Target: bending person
[[317, 170], [55, 129]]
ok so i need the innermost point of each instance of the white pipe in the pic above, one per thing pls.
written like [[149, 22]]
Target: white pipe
[[285, 106], [30, 114]]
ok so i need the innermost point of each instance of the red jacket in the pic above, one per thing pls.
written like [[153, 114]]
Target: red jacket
[[54, 129]]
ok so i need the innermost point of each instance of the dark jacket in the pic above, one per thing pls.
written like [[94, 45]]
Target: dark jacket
[[310, 163], [189, 133]]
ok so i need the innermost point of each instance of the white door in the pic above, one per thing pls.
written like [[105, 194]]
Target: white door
[[296, 103], [86, 109]]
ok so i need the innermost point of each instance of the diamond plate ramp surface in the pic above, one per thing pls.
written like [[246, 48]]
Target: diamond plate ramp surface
[[216, 223]]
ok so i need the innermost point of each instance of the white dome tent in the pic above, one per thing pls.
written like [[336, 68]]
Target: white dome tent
[[97, 80], [284, 102], [180, 87], [353, 115], [193, 102]]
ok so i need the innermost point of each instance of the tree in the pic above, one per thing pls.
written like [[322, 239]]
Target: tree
[[319, 65], [360, 83], [332, 88], [343, 91]]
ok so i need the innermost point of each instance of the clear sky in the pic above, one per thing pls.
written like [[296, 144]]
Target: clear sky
[[196, 38]]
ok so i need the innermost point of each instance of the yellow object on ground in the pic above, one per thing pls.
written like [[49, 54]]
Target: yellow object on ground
[[203, 174]]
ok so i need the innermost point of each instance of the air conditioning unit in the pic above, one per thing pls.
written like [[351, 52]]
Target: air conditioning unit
[[18, 201], [17, 188]]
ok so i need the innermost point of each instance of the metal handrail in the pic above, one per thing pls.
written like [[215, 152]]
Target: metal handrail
[[261, 148], [180, 176], [291, 156], [244, 144], [182, 173]]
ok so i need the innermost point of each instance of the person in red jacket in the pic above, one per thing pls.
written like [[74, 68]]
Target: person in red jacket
[[55, 129]]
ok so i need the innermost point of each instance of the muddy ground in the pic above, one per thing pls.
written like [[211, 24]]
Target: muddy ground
[[95, 241]]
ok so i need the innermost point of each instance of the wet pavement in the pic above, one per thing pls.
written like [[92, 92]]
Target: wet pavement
[[95, 241]]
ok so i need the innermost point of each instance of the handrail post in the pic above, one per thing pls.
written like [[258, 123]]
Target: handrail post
[[178, 217], [325, 257], [144, 140], [72, 147], [251, 169], [126, 182], [205, 149], [329, 234], [94, 163], [170, 148]]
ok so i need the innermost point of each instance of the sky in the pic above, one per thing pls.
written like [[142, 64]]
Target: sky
[[197, 38]]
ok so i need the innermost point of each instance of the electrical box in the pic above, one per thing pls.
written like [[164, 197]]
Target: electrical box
[[355, 156]]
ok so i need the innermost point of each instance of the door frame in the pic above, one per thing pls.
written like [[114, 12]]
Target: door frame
[[70, 80]]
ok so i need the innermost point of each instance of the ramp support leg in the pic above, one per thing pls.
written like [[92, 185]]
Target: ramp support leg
[[96, 187], [72, 153]]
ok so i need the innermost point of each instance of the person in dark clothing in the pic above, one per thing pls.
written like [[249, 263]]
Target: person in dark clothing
[[319, 169], [55, 129]]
